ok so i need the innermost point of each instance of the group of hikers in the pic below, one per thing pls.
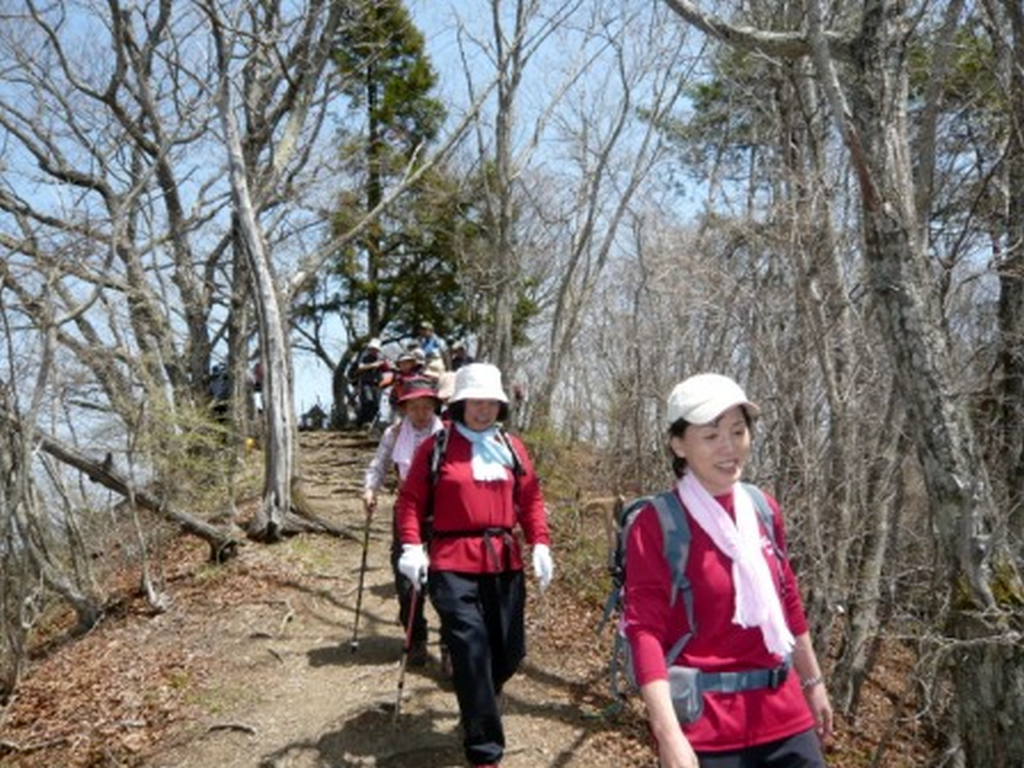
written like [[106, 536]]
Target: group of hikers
[[718, 642], [372, 374]]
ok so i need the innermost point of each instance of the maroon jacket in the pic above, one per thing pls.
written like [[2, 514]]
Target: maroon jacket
[[653, 624], [465, 508]]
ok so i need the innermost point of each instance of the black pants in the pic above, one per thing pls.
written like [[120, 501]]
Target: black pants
[[369, 404], [482, 623], [800, 751], [404, 591]]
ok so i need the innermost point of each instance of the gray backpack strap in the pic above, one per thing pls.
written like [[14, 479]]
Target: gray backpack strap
[[675, 529], [764, 511]]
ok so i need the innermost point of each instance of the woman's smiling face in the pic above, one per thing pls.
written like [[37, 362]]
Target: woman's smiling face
[[480, 414], [716, 452]]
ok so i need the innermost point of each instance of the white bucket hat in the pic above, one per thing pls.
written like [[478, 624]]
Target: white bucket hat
[[478, 381], [703, 398]]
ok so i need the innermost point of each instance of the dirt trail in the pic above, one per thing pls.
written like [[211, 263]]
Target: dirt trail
[[284, 689]]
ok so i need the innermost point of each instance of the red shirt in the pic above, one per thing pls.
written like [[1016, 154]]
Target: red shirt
[[463, 505], [730, 720]]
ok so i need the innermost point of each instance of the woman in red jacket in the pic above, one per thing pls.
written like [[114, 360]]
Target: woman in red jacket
[[763, 696], [457, 526]]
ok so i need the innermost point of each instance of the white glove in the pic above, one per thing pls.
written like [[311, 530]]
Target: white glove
[[543, 565], [414, 563]]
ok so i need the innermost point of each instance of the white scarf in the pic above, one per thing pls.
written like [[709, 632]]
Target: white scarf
[[757, 602], [491, 459], [408, 440]]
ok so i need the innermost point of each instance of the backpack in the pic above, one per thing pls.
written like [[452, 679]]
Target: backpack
[[675, 529]]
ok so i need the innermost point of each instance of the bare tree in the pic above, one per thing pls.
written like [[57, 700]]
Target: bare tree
[[297, 90], [516, 37], [612, 129]]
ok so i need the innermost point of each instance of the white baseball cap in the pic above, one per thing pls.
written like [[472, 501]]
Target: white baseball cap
[[703, 398], [478, 381]]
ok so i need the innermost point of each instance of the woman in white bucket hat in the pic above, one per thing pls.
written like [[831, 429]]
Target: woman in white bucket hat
[[758, 696], [457, 524]]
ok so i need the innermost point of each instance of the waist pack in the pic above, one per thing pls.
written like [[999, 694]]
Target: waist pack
[[687, 694]]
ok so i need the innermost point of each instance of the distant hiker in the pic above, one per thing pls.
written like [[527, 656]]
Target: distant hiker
[[434, 366], [409, 365], [220, 392], [427, 340], [366, 374], [445, 389], [459, 355], [256, 381], [418, 406], [313, 419], [257, 376], [457, 511], [736, 688]]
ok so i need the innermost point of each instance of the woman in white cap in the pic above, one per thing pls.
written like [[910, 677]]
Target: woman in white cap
[[419, 406], [763, 699], [457, 525]]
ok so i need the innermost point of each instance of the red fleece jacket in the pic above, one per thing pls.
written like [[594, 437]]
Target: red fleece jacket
[[730, 720], [462, 504]]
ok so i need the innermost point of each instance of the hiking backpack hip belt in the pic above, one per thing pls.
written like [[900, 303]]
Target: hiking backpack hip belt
[[687, 686], [745, 680]]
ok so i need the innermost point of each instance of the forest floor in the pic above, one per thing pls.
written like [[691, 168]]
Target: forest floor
[[256, 663]]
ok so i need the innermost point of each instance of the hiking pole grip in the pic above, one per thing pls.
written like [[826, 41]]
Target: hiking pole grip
[[354, 643], [413, 597]]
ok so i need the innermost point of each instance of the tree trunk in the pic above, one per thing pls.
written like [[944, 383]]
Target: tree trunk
[[268, 523], [1011, 297], [223, 544]]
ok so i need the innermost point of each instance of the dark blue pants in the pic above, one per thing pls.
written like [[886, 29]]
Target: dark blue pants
[[800, 751], [482, 623], [369, 404]]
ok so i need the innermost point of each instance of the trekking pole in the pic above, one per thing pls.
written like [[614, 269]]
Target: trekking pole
[[405, 651], [354, 644]]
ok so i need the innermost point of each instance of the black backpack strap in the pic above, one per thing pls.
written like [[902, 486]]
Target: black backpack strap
[[436, 460], [517, 464], [437, 454]]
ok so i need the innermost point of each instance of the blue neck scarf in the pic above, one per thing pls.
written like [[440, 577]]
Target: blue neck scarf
[[491, 458]]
